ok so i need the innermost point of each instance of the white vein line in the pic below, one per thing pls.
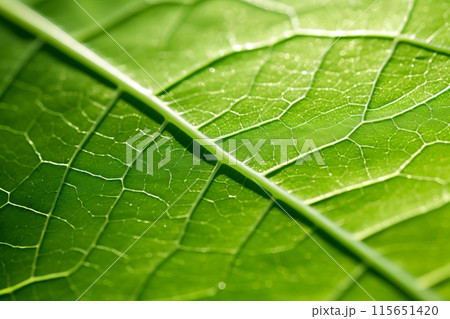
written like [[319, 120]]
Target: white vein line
[[134, 60], [134, 242], [316, 242]]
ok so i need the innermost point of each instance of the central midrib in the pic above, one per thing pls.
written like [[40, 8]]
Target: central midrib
[[28, 19]]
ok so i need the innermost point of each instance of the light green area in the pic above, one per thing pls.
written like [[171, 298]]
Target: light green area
[[375, 103]]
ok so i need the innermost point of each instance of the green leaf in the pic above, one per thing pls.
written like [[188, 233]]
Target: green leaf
[[370, 90]]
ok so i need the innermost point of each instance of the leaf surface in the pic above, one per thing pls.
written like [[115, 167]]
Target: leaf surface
[[374, 101]]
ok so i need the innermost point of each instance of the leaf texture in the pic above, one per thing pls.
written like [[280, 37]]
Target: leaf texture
[[374, 99]]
